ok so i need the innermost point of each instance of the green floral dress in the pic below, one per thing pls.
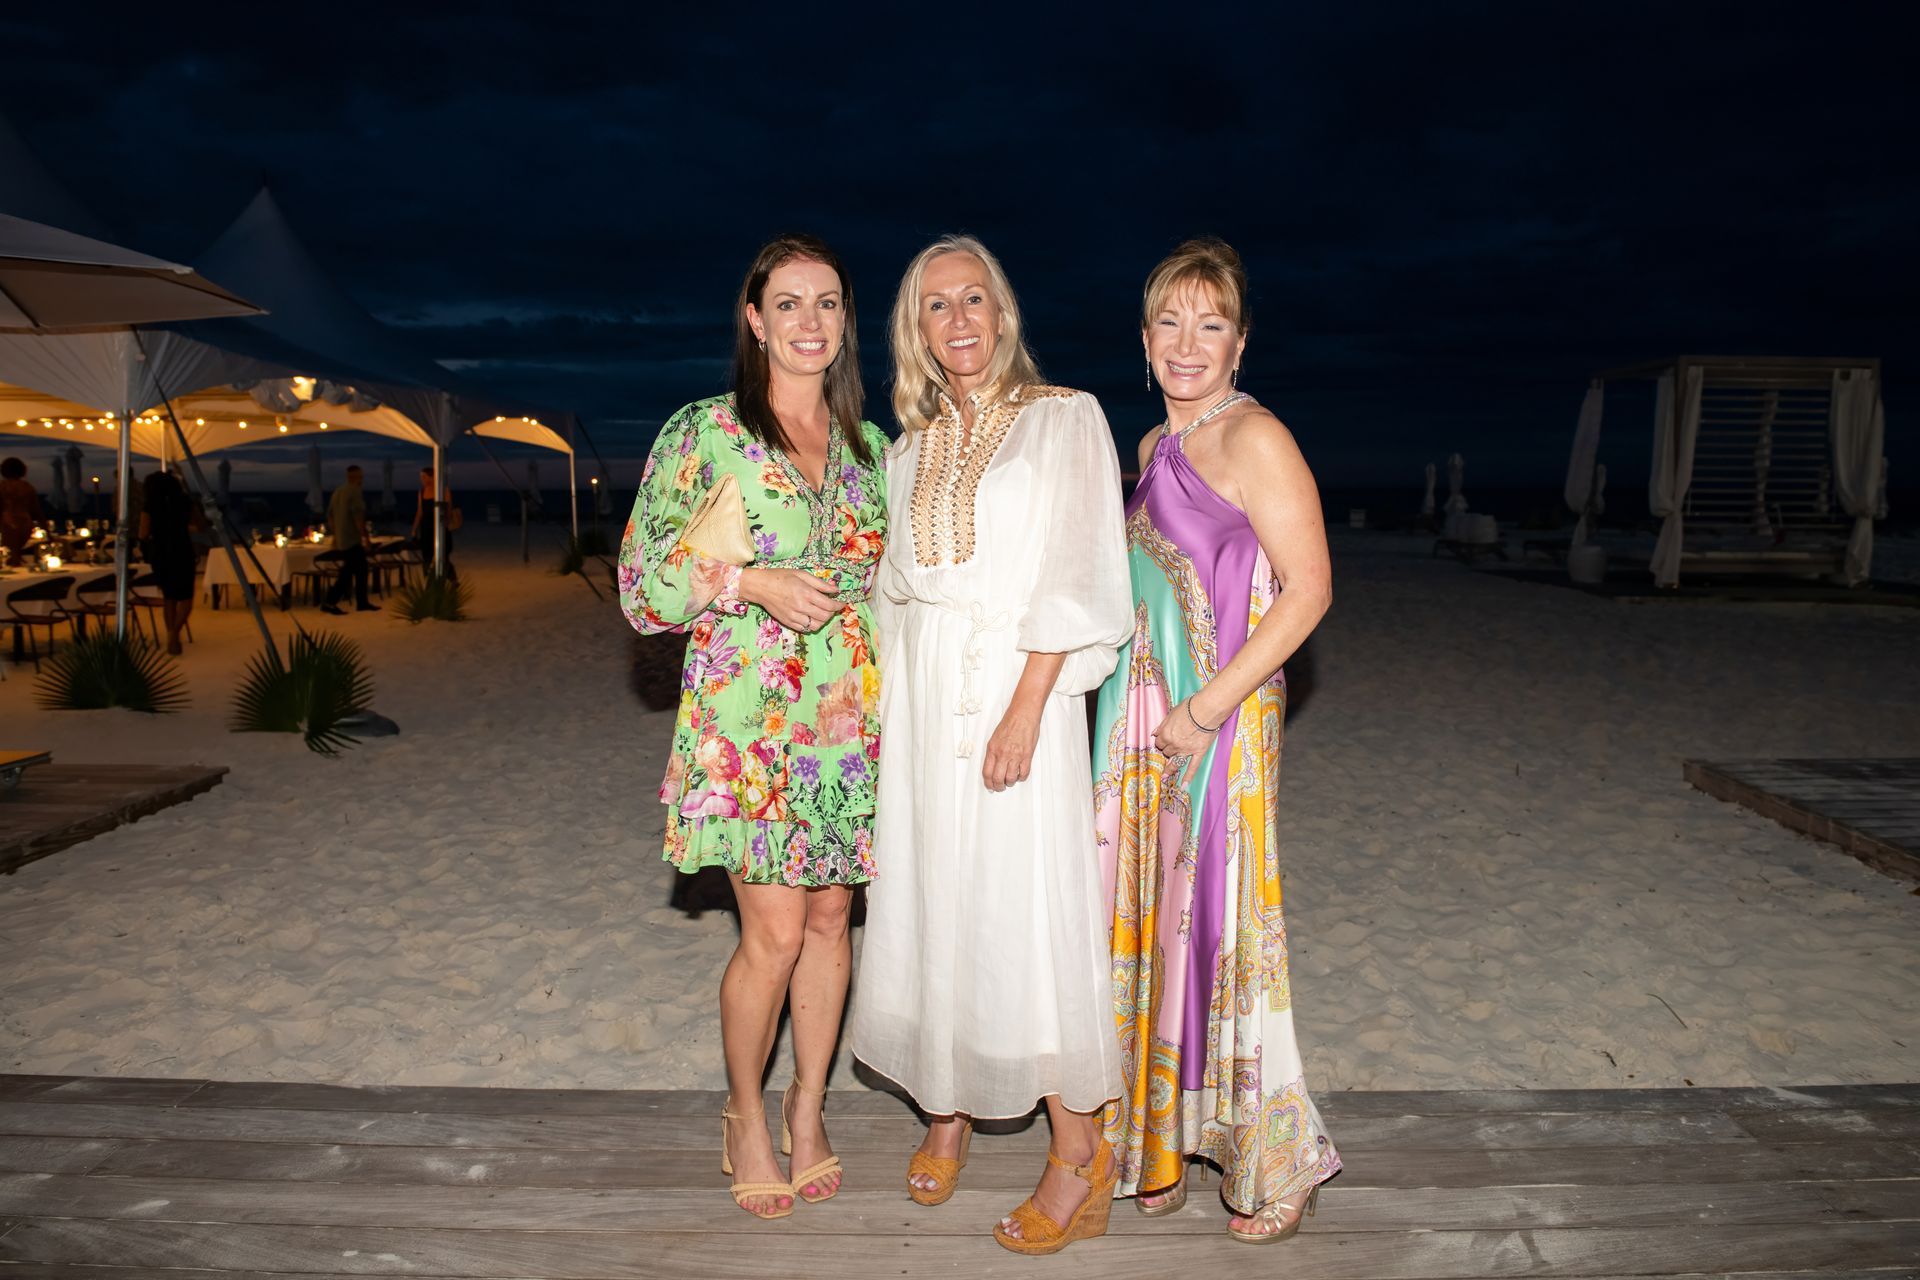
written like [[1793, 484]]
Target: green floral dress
[[774, 750]]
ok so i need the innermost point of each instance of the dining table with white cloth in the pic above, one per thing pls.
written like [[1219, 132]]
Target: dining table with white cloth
[[279, 564]]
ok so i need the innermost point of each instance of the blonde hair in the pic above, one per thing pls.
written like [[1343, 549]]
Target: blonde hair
[[1208, 262], [918, 379]]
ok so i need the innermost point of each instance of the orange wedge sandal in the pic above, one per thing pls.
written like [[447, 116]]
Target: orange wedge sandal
[[1040, 1235], [944, 1172], [803, 1178], [744, 1191]]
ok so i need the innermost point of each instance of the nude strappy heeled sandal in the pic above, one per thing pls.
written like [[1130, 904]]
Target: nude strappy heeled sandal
[[803, 1178], [743, 1191], [1271, 1213]]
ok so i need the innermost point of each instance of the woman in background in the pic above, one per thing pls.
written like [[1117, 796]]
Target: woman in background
[[1230, 575], [167, 520], [423, 526], [19, 506], [772, 771]]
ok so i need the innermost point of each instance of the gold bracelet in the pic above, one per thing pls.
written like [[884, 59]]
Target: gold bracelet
[[1188, 704]]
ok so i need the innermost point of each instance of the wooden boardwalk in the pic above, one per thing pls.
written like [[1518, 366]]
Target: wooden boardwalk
[[1869, 807], [194, 1180], [58, 805]]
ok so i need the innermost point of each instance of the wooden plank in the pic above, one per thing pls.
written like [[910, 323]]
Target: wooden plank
[[53, 1155], [868, 1102], [131, 1089], [104, 1271], [91, 799], [1831, 1126], [748, 1252], [886, 1211], [991, 1166], [699, 1133]]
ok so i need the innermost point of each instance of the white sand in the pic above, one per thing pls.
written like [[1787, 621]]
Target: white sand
[[1495, 871]]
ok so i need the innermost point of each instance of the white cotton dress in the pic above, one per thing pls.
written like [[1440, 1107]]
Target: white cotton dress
[[984, 982]]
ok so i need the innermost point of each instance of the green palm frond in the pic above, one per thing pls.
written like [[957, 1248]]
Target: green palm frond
[[323, 681], [433, 596], [105, 670]]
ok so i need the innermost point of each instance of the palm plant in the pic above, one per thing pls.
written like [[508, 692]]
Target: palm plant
[[105, 670], [322, 683], [434, 596]]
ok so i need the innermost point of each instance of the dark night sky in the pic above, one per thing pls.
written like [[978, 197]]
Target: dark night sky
[[1452, 212]]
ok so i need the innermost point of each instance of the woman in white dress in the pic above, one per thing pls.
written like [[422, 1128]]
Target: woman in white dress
[[1002, 600]]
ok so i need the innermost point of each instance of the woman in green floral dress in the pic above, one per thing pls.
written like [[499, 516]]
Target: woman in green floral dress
[[772, 771]]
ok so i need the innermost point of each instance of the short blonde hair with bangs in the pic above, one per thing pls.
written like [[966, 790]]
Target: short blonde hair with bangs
[[918, 379], [1207, 262]]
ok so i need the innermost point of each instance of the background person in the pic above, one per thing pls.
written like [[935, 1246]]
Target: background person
[[347, 522], [167, 522]]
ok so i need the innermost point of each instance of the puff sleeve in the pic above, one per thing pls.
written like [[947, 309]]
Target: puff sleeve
[[666, 585], [1079, 604]]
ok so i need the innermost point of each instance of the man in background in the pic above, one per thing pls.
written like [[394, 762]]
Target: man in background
[[347, 520]]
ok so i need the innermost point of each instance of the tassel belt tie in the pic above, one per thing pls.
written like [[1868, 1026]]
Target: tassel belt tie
[[972, 658]]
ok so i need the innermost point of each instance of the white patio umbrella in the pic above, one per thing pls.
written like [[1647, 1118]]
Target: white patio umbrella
[[316, 497], [223, 485], [52, 281], [56, 282], [603, 497], [1426, 503], [386, 486]]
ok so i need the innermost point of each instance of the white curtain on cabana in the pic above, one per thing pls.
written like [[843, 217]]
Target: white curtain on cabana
[[1586, 452], [1674, 435], [1858, 426]]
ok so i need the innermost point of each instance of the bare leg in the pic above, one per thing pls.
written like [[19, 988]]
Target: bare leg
[[818, 996], [170, 610], [943, 1142], [772, 922], [1076, 1135]]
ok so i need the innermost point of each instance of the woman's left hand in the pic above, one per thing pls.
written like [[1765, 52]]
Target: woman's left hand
[[1010, 750], [1182, 741]]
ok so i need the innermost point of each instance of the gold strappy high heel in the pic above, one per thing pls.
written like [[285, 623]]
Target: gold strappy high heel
[[804, 1178], [944, 1172], [1040, 1234], [743, 1191], [1176, 1196], [1271, 1213]]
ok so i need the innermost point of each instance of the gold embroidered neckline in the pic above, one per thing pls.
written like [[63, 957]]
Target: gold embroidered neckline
[[946, 483]]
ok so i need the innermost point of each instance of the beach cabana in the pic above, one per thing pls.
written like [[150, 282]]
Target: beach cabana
[[1760, 465]]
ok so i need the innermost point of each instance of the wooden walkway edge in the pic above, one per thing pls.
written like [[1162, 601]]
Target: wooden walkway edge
[[1868, 807], [57, 805], [104, 1177]]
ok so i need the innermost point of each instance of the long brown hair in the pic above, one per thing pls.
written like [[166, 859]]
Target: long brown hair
[[753, 379]]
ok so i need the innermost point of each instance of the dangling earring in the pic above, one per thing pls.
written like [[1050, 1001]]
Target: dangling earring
[[1233, 379], [1149, 375], [763, 344]]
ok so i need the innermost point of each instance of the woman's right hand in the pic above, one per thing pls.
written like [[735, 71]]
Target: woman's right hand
[[797, 600]]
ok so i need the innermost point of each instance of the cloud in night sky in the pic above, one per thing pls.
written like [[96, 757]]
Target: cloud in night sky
[[1452, 213]]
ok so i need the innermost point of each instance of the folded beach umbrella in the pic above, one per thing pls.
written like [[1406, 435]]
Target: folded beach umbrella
[[533, 484], [52, 281], [1456, 479], [316, 497], [1426, 503], [76, 495], [223, 485], [57, 496], [386, 485]]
